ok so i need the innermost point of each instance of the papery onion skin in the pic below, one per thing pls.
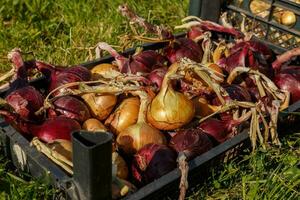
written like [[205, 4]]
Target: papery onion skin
[[100, 70], [101, 105], [57, 128], [26, 101], [192, 142], [156, 76], [71, 107], [170, 109], [93, 125], [125, 115], [136, 136], [184, 47], [153, 161]]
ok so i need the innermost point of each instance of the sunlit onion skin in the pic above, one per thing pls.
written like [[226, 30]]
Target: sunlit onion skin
[[152, 162], [102, 69], [253, 54], [288, 77], [56, 128], [71, 107], [192, 142], [58, 76], [183, 47], [24, 99], [144, 61], [93, 125], [219, 130], [62, 147], [100, 105], [170, 110], [135, 136], [125, 115]]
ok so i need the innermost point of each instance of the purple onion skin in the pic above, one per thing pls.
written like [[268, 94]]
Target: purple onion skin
[[151, 162], [192, 142], [52, 129], [217, 129], [289, 82], [156, 76], [26, 101], [252, 54], [183, 47], [145, 61], [71, 107]]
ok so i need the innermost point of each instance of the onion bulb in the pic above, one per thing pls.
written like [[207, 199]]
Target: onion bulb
[[203, 108], [119, 165], [134, 137], [101, 70], [170, 109], [288, 18], [125, 115], [93, 125], [100, 105]]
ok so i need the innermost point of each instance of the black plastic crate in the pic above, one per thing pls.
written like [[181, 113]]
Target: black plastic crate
[[29, 159]]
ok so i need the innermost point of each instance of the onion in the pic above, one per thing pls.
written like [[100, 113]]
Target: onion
[[93, 125], [170, 109], [183, 47], [156, 76], [120, 166], [24, 99], [203, 108], [192, 142], [71, 107], [134, 137], [58, 76], [101, 70], [53, 129], [219, 130], [288, 18], [125, 115], [178, 48], [288, 77], [153, 161], [100, 105], [144, 61]]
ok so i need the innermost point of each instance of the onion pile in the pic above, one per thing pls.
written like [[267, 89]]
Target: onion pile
[[163, 107]]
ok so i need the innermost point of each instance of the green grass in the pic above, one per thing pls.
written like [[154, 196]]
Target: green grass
[[61, 32]]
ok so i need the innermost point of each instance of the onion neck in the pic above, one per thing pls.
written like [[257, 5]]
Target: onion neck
[[145, 101]]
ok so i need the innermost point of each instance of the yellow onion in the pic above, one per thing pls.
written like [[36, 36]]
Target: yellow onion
[[203, 108], [260, 8], [288, 18], [93, 125], [63, 148], [101, 70], [170, 109], [119, 165], [100, 105], [125, 115], [136, 136]]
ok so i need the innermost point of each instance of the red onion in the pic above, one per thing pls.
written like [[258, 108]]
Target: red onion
[[24, 99], [177, 49], [156, 76], [71, 107], [192, 142], [144, 61], [153, 161], [52, 129], [288, 77], [253, 54], [218, 129], [58, 76]]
